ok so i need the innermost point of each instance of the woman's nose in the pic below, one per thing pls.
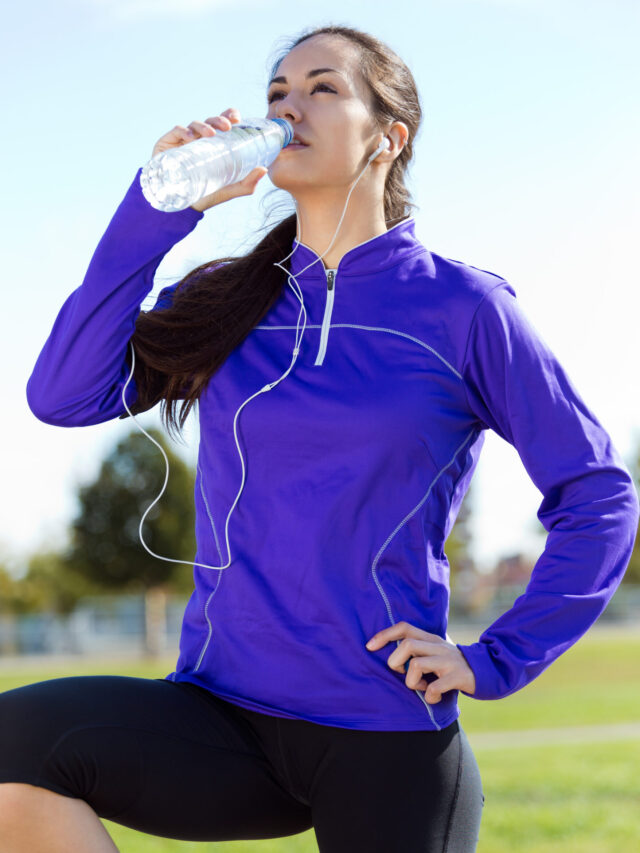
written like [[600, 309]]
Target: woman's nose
[[286, 109]]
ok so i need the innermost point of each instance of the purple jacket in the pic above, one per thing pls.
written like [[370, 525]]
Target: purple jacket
[[355, 468]]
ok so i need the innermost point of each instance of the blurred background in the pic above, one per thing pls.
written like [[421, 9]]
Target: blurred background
[[526, 165]]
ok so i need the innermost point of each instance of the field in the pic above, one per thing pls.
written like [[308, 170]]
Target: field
[[559, 760]]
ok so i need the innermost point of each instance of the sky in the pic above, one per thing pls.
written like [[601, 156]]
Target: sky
[[526, 165]]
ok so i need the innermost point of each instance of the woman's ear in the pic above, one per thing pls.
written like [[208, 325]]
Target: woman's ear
[[398, 133]]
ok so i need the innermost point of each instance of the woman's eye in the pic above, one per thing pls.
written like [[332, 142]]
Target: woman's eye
[[272, 96]]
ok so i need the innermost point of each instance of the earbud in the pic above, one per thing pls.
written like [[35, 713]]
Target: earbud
[[384, 146]]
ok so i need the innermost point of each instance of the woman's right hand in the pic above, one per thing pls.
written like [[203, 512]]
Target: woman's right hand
[[182, 135]]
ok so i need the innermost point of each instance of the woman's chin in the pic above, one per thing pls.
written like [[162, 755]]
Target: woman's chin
[[287, 177]]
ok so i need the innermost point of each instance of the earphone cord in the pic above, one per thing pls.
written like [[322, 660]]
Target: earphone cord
[[383, 145]]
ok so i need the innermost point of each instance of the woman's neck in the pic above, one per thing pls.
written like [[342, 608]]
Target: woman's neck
[[317, 225]]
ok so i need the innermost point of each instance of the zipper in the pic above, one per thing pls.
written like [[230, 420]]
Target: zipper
[[326, 320]]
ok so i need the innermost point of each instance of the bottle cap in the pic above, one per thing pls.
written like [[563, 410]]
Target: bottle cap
[[288, 136]]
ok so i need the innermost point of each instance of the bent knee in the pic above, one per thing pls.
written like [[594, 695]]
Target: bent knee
[[23, 798]]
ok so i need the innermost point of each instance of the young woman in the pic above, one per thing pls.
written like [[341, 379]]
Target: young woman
[[344, 375]]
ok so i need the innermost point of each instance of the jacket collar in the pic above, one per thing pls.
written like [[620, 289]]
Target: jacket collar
[[378, 253]]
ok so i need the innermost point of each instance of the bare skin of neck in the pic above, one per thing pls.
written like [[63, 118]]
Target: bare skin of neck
[[319, 212]]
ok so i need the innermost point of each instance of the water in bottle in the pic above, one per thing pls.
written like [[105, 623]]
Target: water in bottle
[[175, 179]]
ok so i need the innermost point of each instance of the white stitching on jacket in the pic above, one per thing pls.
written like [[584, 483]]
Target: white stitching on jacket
[[392, 620], [211, 594], [373, 329]]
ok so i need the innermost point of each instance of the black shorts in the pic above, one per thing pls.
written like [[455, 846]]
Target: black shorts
[[174, 760]]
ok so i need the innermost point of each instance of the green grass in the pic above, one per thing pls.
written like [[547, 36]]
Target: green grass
[[133, 842], [538, 798], [597, 681], [583, 798]]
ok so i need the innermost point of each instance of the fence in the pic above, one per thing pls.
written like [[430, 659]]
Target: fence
[[118, 624], [100, 625]]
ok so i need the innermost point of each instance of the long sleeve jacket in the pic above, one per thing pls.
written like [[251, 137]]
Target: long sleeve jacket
[[356, 464]]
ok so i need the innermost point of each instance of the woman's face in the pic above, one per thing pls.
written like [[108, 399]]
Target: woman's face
[[331, 111]]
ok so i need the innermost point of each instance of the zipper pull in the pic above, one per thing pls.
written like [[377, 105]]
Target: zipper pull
[[326, 319]]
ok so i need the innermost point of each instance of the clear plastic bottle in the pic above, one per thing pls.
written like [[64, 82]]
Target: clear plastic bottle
[[175, 179]]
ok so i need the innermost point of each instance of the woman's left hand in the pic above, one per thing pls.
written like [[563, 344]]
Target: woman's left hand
[[428, 653]]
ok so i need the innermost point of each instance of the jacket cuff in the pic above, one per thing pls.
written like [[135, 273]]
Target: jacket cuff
[[487, 678]]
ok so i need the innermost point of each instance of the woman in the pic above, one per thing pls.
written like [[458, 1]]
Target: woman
[[358, 371]]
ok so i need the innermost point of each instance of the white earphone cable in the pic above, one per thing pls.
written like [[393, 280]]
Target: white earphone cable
[[383, 146]]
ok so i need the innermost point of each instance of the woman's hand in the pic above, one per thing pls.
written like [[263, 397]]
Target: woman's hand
[[428, 653], [182, 135]]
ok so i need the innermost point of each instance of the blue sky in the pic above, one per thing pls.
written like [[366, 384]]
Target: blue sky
[[526, 165]]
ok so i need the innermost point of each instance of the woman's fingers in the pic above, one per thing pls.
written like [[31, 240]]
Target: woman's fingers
[[208, 127], [435, 689], [244, 187], [420, 665], [201, 129], [398, 632], [451, 669], [426, 653], [410, 648], [224, 121], [449, 677], [180, 135], [254, 176], [230, 113]]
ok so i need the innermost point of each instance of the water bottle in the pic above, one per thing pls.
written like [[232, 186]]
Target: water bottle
[[175, 179]]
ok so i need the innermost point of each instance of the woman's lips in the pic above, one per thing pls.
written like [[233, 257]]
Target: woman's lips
[[295, 145]]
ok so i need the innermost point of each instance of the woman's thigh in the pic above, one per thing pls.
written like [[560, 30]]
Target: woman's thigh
[[150, 754], [398, 791]]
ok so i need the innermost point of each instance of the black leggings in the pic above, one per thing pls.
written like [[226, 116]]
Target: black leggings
[[174, 760]]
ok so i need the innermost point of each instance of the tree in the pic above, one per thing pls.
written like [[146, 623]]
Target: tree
[[458, 549], [50, 584], [104, 544]]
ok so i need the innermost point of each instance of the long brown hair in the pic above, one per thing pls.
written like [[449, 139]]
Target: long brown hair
[[221, 306]]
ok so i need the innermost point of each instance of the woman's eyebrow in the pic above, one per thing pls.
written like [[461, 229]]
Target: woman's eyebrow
[[313, 73]]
